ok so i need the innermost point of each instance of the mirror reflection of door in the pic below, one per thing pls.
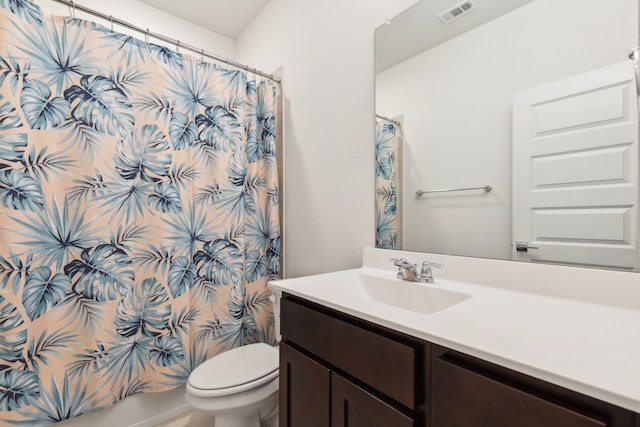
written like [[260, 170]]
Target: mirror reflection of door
[[575, 170]]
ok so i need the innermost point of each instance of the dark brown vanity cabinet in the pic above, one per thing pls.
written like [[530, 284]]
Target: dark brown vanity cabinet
[[317, 397], [339, 371]]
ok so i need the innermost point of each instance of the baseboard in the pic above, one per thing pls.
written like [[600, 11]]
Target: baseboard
[[140, 410], [165, 416]]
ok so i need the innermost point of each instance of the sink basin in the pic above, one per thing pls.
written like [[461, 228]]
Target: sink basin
[[416, 297]]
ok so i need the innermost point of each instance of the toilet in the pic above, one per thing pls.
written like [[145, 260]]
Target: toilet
[[238, 387]]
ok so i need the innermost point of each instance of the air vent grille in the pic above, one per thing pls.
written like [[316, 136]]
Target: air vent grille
[[457, 11]]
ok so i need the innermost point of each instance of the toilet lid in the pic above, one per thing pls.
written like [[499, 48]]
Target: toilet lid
[[241, 365]]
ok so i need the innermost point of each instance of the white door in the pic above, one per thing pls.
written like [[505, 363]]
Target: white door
[[575, 170]]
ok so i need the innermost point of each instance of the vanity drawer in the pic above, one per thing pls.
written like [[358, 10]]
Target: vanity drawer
[[381, 362], [465, 398]]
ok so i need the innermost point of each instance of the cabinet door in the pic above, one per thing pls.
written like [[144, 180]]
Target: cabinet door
[[352, 406], [465, 398], [304, 390]]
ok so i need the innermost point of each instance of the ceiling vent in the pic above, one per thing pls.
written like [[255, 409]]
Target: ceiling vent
[[457, 11]]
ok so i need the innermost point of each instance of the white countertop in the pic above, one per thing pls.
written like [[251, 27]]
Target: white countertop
[[584, 346]]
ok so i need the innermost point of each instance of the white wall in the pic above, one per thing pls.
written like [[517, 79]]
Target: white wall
[[325, 49], [144, 410], [456, 103]]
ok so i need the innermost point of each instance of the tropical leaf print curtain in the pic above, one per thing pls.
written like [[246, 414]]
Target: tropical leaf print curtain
[[138, 215], [388, 174]]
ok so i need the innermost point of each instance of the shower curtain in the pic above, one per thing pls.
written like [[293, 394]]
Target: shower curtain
[[138, 215], [388, 182]]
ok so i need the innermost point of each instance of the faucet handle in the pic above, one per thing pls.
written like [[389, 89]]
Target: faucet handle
[[406, 270], [432, 264], [399, 262], [426, 265], [426, 275]]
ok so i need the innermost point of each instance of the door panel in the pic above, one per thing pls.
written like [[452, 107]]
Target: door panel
[[583, 108], [589, 166], [602, 224], [304, 390], [352, 406]]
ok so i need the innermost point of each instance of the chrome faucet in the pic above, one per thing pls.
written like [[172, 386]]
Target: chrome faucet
[[406, 270], [409, 272]]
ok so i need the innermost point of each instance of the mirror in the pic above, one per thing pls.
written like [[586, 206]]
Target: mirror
[[466, 97]]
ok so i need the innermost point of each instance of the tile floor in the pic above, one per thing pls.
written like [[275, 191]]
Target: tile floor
[[190, 419]]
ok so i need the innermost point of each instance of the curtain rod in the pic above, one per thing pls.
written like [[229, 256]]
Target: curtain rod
[[395, 122], [74, 6]]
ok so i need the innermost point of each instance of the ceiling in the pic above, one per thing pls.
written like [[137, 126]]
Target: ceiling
[[225, 17], [418, 28], [413, 31]]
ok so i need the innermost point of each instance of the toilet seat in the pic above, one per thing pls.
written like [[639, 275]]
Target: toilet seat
[[234, 371]]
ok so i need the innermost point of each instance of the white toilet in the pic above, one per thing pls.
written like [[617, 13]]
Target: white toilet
[[238, 387]]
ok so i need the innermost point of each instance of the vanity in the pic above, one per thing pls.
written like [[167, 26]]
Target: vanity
[[479, 356]]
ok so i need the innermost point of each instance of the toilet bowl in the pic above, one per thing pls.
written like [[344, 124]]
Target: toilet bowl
[[238, 387]]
